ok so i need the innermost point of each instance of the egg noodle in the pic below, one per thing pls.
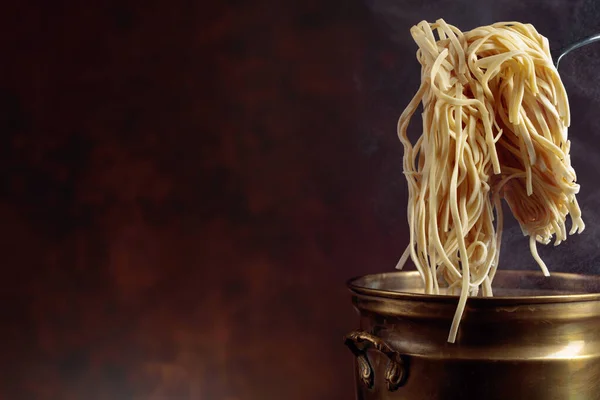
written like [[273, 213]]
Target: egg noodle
[[495, 118]]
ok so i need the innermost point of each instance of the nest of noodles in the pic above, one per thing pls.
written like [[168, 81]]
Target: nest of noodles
[[495, 118]]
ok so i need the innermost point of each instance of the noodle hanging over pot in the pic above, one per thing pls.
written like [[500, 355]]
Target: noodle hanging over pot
[[495, 118]]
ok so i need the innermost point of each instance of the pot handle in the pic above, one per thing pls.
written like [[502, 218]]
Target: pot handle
[[359, 342]]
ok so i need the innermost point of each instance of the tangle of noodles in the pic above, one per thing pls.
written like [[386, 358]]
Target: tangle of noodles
[[495, 118]]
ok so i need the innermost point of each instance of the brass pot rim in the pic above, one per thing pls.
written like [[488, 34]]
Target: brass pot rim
[[584, 280]]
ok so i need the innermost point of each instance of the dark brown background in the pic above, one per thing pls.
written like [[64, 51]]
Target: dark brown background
[[185, 187]]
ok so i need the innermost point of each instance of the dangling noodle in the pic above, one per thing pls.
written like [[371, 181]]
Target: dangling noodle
[[495, 118]]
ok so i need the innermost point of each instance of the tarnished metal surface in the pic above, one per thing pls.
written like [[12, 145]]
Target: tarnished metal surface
[[533, 341], [395, 373]]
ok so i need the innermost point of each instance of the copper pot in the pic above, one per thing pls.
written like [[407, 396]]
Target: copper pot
[[537, 339]]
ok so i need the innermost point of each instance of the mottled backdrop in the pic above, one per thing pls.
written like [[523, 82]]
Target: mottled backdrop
[[185, 187]]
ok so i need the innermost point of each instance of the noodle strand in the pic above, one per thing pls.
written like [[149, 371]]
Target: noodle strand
[[495, 118]]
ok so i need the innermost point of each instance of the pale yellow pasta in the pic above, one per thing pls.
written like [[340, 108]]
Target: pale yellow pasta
[[495, 118]]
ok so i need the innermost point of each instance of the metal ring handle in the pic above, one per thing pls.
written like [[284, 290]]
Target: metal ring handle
[[396, 373]]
